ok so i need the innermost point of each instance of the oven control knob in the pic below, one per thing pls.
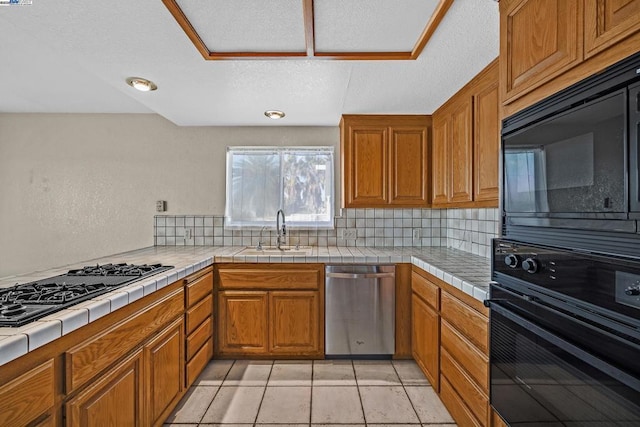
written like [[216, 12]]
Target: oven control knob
[[530, 265], [512, 260], [633, 291]]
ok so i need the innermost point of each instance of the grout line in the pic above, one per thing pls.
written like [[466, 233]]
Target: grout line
[[217, 391], [406, 394], [255, 420], [355, 377]]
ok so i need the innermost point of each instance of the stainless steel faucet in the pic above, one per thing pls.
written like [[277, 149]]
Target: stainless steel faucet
[[282, 231]]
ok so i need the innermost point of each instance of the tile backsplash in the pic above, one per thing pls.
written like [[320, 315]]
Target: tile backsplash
[[470, 230]]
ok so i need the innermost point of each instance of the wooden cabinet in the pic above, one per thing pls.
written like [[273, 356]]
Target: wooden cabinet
[[425, 326], [293, 317], [461, 151], [466, 145], [164, 379], [547, 45], [606, 22], [243, 322], [198, 323], [450, 344], [270, 309], [116, 399], [385, 161], [29, 396], [539, 39]]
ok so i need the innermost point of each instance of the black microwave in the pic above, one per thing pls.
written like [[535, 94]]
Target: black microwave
[[570, 165]]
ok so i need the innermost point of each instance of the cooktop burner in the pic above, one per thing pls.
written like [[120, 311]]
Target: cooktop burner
[[23, 303]]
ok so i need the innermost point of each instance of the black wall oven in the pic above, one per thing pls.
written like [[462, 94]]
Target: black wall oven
[[565, 337], [570, 165]]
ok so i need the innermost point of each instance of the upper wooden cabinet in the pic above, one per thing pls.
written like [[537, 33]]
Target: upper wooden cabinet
[[547, 45], [608, 21], [466, 145], [385, 160], [539, 39]]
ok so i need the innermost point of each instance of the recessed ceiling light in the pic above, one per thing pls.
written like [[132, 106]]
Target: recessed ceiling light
[[143, 85], [274, 114]]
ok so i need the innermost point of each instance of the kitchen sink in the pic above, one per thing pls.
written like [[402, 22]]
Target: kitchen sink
[[273, 250]]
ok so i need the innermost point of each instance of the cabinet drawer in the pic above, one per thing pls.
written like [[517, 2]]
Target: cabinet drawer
[[86, 360], [27, 397], [470, 393], [198, 313], [462, 351], [197, 289], [199, 361], [469, 322], [266, 278], [458, 410], [199, 337], [428, 291]]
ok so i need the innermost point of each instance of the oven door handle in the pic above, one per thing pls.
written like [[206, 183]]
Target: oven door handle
[[575, 351]]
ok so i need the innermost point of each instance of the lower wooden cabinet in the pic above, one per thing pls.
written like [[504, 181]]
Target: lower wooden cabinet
[[293, 322], [28, 397], [270, 309], [164, 361], [426, 339], [116, 399], [450, 344], [242, 320]]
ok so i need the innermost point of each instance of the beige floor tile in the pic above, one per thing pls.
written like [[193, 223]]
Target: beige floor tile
[[224, 425], [387, 405], [375, 372], [330, 405], [291, 373], [410, 373], [193, 405], [214, 373], [234, 405], [278, 425], [285, 405], [428, 406], [249, 373], [395, 425], [333, 373], [338, 425]]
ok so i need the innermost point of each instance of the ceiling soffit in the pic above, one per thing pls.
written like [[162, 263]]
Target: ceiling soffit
[[308, 29]]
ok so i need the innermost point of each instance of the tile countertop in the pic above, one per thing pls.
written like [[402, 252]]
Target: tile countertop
[[467, 272]]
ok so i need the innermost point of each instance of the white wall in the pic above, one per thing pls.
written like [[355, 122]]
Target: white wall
[[79, 186]]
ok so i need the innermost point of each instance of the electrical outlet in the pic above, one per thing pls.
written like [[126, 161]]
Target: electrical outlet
[[349, 233], [416, 233], [188, 233], [161, 206]]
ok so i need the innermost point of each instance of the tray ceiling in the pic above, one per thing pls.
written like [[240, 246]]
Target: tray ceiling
[[323, 29]]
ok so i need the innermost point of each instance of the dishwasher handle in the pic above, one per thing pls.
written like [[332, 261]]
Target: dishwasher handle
[[360, 275]]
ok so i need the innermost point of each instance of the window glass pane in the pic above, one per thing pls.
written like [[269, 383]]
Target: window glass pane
[[298, 180]]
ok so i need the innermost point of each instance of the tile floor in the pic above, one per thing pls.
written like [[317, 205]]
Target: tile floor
[[311, 393]]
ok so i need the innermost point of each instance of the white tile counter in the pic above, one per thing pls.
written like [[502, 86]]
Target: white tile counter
[[467, 272]]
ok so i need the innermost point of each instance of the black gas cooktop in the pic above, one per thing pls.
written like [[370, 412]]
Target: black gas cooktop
[[24, 303]]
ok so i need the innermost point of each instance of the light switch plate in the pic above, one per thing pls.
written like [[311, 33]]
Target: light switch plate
[[161, 206]]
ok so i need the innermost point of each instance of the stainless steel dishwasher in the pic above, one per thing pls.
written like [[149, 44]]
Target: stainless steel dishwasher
[[360, 310]]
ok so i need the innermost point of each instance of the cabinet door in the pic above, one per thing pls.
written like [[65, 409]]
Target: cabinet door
[[365, 167], [29, 396], [115, 400], [461, 152], [486, 143], [608, 21], [294, 322], [425, 340], [440, 158], [409, 172], [164, 361], [242, 322], [539, 39]]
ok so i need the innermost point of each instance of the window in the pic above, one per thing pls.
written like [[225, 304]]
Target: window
[[298, 180]]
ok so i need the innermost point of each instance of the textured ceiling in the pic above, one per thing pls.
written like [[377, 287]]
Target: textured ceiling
[[73, 57]]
